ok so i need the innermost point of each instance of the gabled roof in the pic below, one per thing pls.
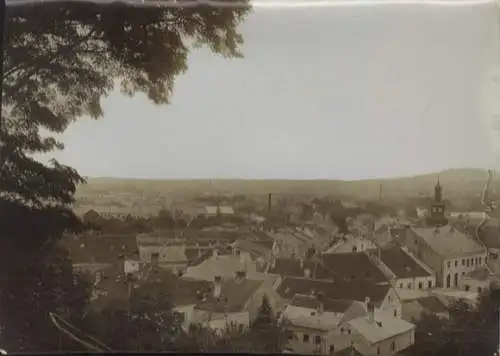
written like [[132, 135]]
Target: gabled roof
[[401, 263], [353, 267], [448, 240], [291, 267], [233, 297], [100, 249], [348, 351], [381, 328], [311, 302], [432, 304], [289, 287]]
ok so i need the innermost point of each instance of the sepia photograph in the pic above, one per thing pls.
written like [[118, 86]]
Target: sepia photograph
[[250, 177]]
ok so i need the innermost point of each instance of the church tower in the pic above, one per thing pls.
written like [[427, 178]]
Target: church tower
[[437, 207]]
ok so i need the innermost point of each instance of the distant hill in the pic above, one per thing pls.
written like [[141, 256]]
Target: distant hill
[[457, 183]]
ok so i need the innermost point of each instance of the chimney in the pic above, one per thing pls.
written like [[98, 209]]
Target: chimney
[[215, 253], [321, 306], [307, 273], [301, 263], [155, 257], [240, 276], [217, 286], [269, 202], [370, 309]]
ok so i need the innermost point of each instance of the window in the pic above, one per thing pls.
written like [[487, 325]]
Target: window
[[429, 284], [467, 287], [456, 263], [468, 263], [341, 330], [449, 264], [349, 331], [420, 285], [241, 327], [395, 312], [378, 350], [317, 340], [409, 285], [401, 285], [463, 262], [393, 346], [479, 289], [332, 349], [305, 338], [480, 260]]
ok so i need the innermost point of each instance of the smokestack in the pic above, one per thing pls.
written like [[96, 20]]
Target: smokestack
[[269, 202], [217, 286]]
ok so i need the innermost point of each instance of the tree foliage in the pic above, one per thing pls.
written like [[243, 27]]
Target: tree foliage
[[60, 60], [469, 331]]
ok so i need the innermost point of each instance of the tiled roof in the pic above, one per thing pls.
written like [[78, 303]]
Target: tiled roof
[[289, 287], [291, 267], [311, 302], [401, 264], [233, 296], [99, 249], [480, 274], [382, 328], [348, 351], [353, 266], [448, 240], [222, 265], [432, 304]]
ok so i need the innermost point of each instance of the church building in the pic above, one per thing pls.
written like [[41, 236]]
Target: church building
[[451, 253]]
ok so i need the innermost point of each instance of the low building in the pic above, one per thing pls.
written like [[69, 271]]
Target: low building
[[414, 310], [383, 296], [219, 211], [350, 243], [377, 334], [406, 271], [478, 280], [312, 318]]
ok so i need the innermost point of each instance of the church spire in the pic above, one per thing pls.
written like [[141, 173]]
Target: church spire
[[438, 192]]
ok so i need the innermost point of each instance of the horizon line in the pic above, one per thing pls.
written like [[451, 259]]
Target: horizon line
[[284, 179]]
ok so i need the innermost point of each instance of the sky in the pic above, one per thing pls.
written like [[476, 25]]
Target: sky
[[348, 92]]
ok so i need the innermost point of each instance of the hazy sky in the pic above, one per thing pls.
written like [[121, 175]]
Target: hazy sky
[[340, 93]]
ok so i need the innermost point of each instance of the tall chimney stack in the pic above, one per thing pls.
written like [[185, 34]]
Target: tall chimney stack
[[269, 201]]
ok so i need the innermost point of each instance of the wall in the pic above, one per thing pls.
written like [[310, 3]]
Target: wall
[[459, 267], [302, 346], [421, 250], [392, 304], [220, 322], [473, 285], [384, 348], [417, 283]]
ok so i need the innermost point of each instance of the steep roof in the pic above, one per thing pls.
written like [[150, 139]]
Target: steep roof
[[353, 267], [290, 286], [311, 302], [233, 297], [100, 249], [291, 267], [432, 304], [401, 263], [222, 265], [447, 240]]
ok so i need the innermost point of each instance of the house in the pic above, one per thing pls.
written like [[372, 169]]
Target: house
[[413, 310], [219, 211], [448, 251], [221, 264], [311, 318], [376, 334], [383, 296], [228, 301], [93, 253], [477, 280], [351, 243], [406, 271]]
